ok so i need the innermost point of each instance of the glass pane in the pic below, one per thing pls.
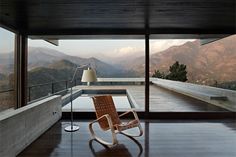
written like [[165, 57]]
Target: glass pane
[[47, 74], [184, 74], [119, 67], [7, 88]]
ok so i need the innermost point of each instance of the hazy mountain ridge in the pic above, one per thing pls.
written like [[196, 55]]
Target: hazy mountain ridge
[[43, 57]]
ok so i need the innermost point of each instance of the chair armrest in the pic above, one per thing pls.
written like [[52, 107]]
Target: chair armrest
[[138, 121], [108, 118], [130, 111]]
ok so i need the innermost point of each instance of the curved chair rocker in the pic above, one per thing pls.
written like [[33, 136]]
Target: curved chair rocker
[[108, 119], [119, 148]]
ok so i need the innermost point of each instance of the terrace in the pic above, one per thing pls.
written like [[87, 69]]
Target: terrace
[[162, 99], [178, 118]]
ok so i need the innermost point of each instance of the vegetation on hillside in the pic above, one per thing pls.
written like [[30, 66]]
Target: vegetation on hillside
[[177, 72], [226, 85], [159, 74]]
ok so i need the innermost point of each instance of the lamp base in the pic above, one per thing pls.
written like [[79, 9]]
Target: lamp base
[[72, 128]]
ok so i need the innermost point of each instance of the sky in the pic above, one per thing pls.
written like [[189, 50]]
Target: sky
[[6, 41], [94, 48], [109, 48]]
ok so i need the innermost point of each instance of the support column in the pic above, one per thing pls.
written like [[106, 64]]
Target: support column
[[21, 60], [147, 80]]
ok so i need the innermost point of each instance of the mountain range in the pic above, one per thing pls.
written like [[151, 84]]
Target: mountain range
[[206, 64]]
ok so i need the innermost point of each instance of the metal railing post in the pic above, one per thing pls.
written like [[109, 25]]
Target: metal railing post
[[52, 87], [66, 84], [29, 97]]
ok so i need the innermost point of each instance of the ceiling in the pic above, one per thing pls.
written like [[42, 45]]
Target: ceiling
[[79, 18]]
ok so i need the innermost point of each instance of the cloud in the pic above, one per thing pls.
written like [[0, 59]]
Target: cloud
[[161, 45], [126, 51], [155, 47]]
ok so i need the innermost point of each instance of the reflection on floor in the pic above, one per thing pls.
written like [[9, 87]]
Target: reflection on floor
[[165, 100], [160, 139], [85, 103], [162, 100]]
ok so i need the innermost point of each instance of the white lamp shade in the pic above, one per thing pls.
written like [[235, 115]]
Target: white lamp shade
[[89, 76]]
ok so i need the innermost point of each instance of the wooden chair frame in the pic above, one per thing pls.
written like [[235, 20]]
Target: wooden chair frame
[[107, 149], [112, 129]]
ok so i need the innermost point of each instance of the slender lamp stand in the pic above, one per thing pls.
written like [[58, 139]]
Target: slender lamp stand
[[72, 127]]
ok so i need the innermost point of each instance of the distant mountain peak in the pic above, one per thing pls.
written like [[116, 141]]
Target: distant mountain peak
[[47, 51], [62, 64]]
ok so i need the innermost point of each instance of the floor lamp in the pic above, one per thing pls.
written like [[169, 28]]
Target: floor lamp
[[89, 76]]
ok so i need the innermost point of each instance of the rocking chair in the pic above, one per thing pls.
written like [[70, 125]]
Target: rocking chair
[[108, 119]]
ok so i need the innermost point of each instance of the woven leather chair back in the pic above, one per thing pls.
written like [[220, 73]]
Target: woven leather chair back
[[104, 105]]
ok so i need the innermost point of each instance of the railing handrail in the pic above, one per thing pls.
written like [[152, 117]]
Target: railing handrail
[[68, 82], [52, 84], [43, 84], [121, 79], [5, 91]]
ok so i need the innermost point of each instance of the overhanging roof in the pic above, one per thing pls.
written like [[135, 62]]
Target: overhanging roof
[[118, 17]]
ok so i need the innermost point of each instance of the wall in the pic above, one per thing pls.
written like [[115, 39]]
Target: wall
[[21, 127], [204, 93]]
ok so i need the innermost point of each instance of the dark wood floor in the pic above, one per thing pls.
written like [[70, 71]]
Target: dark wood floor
[[161, 139]]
